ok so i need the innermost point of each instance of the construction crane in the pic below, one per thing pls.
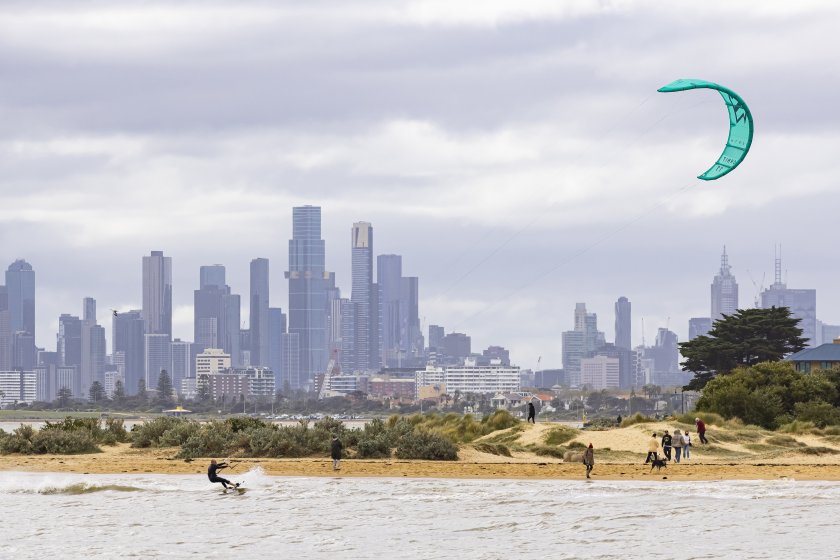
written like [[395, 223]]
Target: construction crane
[[324, 378], [758, 289]]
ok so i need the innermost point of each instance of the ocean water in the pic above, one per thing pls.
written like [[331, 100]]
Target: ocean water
[[55, 516]]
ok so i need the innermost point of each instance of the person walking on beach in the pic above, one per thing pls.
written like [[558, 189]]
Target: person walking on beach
[[666, 445], [653, 449], [212, 470], [532, 413], [335, 452], [686, 445], [701, 430], [677, 443], [618, 420], [589, 459]]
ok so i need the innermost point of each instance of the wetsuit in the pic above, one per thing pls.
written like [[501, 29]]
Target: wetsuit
[[211, 474]]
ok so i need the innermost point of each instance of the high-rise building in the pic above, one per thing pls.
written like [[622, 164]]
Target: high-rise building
[[69, 341], [182, 361], [699, 326], [362, 296], [802, 304], [127, 336], [290, 373], [457, 346], [93, 347], [308, 285], [276, 330], [436, 334], [411, 335], [623, 323], [158, 357], [577, 344], [20, 293], [216, 313], [5, 331], [157, 293], [665, 355], [724, 290], [600, 372], [259, 313]]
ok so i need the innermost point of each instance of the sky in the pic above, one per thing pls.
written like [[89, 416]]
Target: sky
[[515, 153]]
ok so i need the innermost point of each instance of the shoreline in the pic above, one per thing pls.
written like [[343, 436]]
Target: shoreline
[[122, 459]]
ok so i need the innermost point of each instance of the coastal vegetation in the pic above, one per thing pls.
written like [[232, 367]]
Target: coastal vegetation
[[68, 437]]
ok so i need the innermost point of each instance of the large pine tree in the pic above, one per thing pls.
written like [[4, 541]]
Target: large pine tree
[[745, 338]]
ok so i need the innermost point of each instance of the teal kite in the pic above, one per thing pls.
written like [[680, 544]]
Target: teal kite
[[740, 126]]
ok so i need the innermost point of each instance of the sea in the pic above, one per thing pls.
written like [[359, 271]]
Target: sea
[[56, 516]]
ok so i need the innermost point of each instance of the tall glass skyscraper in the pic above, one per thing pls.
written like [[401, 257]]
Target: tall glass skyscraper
[[308, 283], [724, 290], [216, 314], [20, 287], [363, 299], [259, 313], [157, 293], [622, 323], [388, 277], [127, 337]]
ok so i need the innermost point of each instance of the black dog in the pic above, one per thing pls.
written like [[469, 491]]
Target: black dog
[[658, 463]]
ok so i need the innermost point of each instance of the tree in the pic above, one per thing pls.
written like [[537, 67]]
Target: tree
[[743, 339], [203, 392], [63, 397], [97, 392], [141, 390], [164, 388], [119, 391]]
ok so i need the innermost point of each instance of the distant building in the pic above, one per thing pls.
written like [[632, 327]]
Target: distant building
[[211, 361], [623, 322], [577, 344], [259, 313], [158, 357], [363, 298], [18, 387], [471, 378], [699, 326], [457, 346], [128, 337], [547, 378], [397, 388], [436, 334], [182, 360], [626, 363], [802, 304], [724, 290], [827, 332], [599, 372], [157, 293], [216, 314], [20, 307], [824, 356]]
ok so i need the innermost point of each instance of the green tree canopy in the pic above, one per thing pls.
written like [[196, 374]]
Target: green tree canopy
[[745, 338], [97, 392], [164, 388], [63, 396], [119, 391], [141, 389]]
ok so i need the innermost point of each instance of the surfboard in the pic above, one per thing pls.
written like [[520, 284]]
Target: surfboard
[[235, 490]]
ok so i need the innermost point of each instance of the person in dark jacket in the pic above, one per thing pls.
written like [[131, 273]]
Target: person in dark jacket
[[701, 430], [532, 413], [589, 459], [213, 469], [666, 445], [335, 452]]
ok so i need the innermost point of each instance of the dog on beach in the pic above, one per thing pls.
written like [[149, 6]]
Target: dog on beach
[[658, 463]]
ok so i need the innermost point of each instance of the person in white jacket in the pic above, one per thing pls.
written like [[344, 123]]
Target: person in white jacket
[[686, 445]]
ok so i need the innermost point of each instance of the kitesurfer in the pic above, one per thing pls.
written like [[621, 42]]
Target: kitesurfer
[[211, 474]]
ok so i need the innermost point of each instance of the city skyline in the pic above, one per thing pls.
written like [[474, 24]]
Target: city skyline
[[518, 156]]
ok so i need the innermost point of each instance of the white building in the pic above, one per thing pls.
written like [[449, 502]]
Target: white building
[[600, 372], [111, 378], [212, 360], [18, 387], [471, 378]]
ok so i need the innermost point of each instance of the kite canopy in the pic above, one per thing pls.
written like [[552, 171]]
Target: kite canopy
[[740, 126]]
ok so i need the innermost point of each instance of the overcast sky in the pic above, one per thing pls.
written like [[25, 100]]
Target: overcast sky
[[515, 153]]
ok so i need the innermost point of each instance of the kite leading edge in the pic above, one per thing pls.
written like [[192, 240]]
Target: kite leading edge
[[740, 126]]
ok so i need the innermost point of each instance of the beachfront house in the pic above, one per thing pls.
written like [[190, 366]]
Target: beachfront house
[[824, 356]]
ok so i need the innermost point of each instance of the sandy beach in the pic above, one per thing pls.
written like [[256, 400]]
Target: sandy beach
[[732, 455]]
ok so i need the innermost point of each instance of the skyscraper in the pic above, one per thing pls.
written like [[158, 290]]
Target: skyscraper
[[212, 275], [182, 360], [216, 313], [5, 331], [157, 293], [158, 357], [20, 290], [362, 297], [577, 344], [276, 330], [127, 336], [724, 290], [411, 336], [388, 277], [259, 313], [698, 326], [622, 323], [802, 304], [308, 283], [93, 347]]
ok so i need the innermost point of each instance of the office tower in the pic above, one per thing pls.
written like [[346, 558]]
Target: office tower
[[212, 275], [5, 331], [276, 330], [344, 318], [699, 326], [69, 341], [665, 355], [724, 290], [411, 336], [291, 375], [308, 284], [802, 304], [127, 336], [577, 344], [496, 353], [436, 334], [259, 313], [158, 349], [362, 296], [626, 363], [622, 323], [216, 313], [182, 362], [389, 277], [457, 346], [157, 293], [92, 346], [20, 293]]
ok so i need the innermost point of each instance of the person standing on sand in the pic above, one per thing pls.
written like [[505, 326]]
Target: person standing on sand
[[677, 443], [532, 413], [589, 459], [701, 430], [686, 445], [618, 420], [335, 452], [653, 449], [666, 445]]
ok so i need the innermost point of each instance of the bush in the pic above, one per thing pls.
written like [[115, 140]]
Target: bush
[[148, 434], [63, 442], [821, 413], [493, 449], [636, 419], [178, 434], [577, 445], [115, 427], [818, 451], [784, 441], [798, 427], [426, 445], [560, 435]]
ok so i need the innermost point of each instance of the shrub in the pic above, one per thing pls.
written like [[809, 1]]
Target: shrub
[[560, 435], [821, 413], [545, 451], [493, 449], [818, 451], [798, 427], [783, 441], [116, 428], [577, 445], [178, 434], [426, 445], [636, 419], [63, 442], [148, 434], [243, 423]]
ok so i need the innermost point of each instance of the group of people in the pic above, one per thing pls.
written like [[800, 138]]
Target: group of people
[[678, 443]]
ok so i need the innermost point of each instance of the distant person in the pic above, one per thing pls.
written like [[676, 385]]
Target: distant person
[[589, 459], [677, 444], [653, 449], [532, 413], [618, 420], [686, 445], [335, 452], [701, 430], [666, 445], [213, 469]]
